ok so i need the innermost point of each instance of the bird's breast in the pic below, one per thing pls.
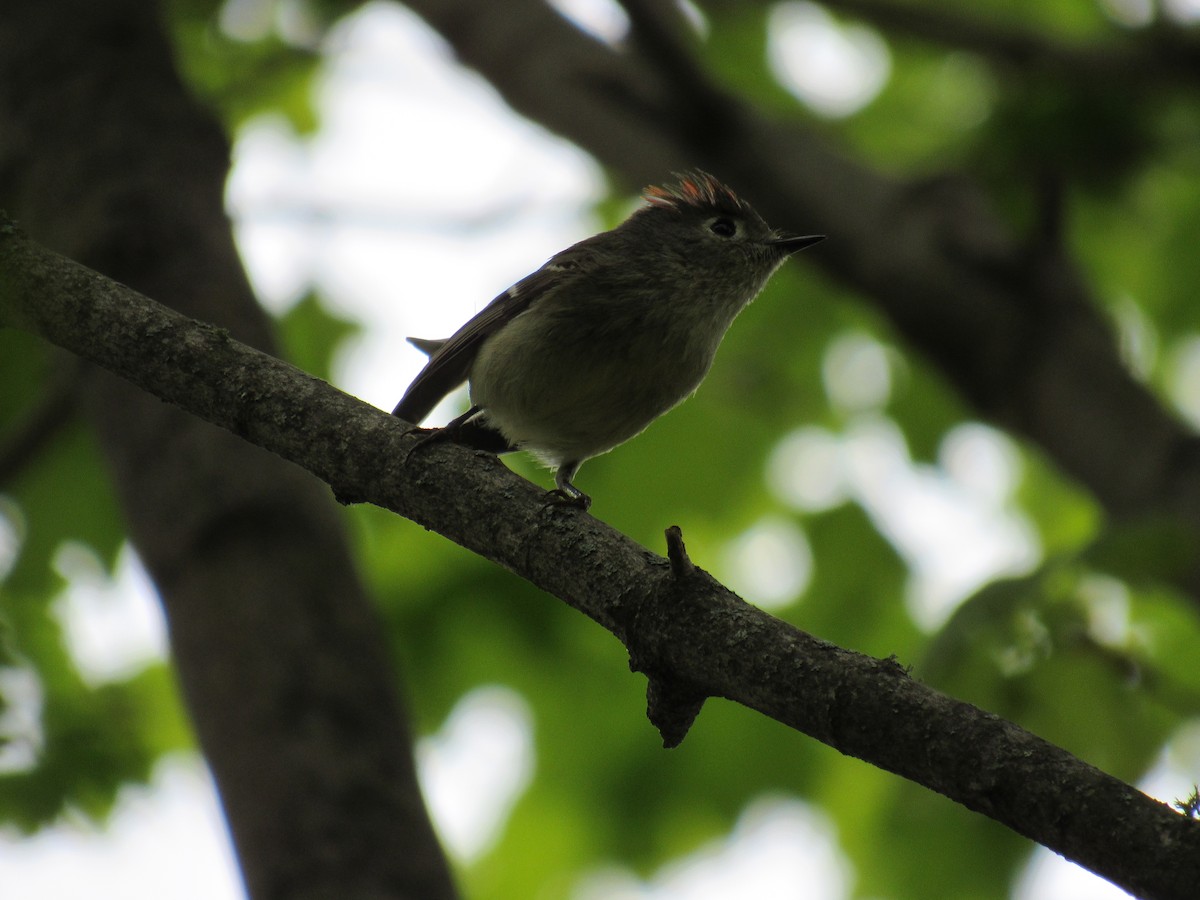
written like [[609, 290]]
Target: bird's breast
[[576, 392]]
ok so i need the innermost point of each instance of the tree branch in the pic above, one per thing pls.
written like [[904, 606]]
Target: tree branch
[[1158, 57], [693, 636]]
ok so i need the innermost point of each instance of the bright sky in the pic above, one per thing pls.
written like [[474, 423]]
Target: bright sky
[[421, 198]]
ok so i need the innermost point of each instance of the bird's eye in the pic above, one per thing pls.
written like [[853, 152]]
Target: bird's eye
[[723, 227]]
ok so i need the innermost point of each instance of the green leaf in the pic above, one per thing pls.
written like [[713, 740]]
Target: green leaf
[[312, 334], [96, 741]]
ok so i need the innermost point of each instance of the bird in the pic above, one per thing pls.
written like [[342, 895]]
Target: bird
[[583, 354]]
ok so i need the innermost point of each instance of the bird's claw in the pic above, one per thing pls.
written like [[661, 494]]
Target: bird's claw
[[425, 437], [568, 496]]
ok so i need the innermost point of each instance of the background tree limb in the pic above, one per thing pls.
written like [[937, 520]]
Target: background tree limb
[[1162, 57]]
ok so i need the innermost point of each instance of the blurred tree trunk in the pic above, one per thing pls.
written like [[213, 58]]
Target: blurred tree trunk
[[105, 156]]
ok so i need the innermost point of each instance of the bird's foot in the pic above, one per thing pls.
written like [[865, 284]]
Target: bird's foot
[[425, 437], [565, 493], [568, 495], [450, 432]]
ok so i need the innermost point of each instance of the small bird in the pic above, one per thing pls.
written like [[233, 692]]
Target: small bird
[[581, 355]]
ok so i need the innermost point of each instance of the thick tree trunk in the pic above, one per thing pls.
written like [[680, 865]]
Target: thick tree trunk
[[104, 155]]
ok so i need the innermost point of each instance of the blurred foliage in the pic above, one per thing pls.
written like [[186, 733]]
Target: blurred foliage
[[311, 333], [269, 68], [1090, 648]]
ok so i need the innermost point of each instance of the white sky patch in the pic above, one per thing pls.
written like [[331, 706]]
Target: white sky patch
[[1182, 11], [113, 626], [603, 19], [247, 20], [807, 470], [476, 767], [982, 462], [1108, 604], [694, 16], [1136, 336], [770, 564], [168, 840], [953, 523], [269, 217], [954, 537], [1183, 378], [21, 736], [1130, 13], [776, 847], [856, 372], [1050, 877], [10, 535], [834, 69]]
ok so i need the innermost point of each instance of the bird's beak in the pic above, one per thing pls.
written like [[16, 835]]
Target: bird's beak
[[789, 245]]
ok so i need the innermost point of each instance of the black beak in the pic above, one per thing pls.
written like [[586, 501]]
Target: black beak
[[789, 245]]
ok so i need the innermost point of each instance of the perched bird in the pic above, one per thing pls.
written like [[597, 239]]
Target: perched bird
[[609, 334]]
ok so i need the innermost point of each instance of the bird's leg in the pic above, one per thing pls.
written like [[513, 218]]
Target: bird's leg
[[565, 493], [450, 430]]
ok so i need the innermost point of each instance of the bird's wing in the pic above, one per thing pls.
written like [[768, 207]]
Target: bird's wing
[[450, 363]]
